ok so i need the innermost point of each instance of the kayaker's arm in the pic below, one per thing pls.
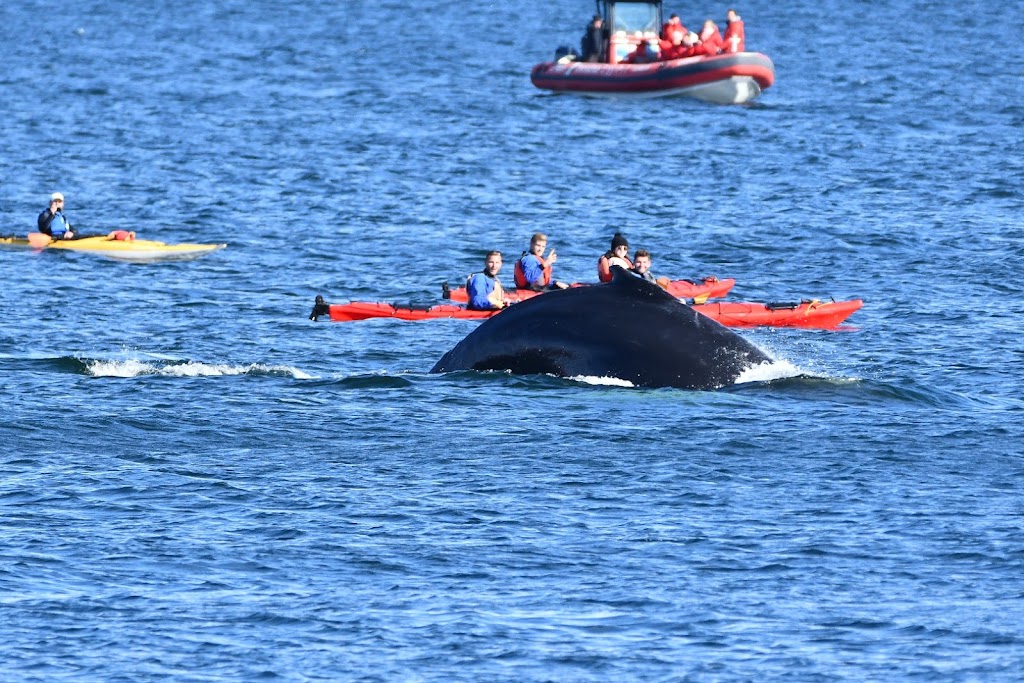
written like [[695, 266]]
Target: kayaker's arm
[[44, 221]]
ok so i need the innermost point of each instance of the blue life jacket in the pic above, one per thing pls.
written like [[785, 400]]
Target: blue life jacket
[[479, 288], [59, 225]]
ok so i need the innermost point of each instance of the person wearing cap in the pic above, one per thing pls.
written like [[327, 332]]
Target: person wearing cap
[[484, 289], [533, 270], [52, 221], [618, 255]]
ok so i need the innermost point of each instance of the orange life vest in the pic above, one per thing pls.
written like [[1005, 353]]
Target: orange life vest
[[519, 275], [605, 263]]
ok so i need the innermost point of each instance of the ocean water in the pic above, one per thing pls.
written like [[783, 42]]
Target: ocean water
[[197, 483]]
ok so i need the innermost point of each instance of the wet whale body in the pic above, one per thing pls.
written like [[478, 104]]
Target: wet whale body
[[629, 329]]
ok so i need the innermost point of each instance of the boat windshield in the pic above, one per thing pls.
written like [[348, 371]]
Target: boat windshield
[[636, 16]]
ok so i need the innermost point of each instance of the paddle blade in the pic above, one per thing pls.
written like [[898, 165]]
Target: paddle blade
[[38, 239], [702, 299]]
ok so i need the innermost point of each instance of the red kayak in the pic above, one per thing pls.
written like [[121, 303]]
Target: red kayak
[[807, 314], [708, 288], [822, 315]]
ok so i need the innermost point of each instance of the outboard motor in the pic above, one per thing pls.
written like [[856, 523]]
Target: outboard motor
[[565, 54]]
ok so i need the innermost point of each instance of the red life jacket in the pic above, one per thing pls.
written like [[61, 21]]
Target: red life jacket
[[713, 41], [519, 275], [604, 266], [734, 30], [639, 55], [677, 52], [668, 28]]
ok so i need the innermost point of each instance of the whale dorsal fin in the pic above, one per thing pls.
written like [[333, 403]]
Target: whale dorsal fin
[[630, 281]]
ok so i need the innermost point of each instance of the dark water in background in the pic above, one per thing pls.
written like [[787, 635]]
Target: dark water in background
[[200, 484]]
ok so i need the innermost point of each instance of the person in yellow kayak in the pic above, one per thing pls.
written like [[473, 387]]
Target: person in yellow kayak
[[484, 289], [52, 222], [54, 225]]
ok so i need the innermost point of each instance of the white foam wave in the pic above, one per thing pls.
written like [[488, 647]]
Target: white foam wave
[[119, 368], [137, 368], [766, 372], [602, 381]]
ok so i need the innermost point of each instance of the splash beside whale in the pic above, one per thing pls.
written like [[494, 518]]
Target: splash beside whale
[[628, 329]]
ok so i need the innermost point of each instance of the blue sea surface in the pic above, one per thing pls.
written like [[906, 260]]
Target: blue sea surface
[[199, 484]]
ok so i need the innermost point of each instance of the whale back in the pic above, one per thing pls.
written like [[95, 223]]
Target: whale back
[[628, 328]]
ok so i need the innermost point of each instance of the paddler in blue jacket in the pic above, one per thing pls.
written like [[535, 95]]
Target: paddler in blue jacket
[[484, 289], [52, 221]]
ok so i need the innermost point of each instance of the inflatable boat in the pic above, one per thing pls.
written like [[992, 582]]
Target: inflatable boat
[[730, 78]]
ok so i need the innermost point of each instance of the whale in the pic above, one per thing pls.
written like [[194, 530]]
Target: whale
[[628, 329]]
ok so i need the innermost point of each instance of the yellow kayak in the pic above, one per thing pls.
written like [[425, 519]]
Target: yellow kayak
[[111, 247]]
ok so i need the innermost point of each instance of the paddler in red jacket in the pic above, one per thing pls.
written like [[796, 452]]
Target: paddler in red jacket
[[710, 38], [533, 270], [618, 255], [734, 39]]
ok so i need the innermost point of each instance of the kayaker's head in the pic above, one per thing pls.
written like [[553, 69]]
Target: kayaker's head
[[620, 246], [538, 243], [492, 263], [642, 261], [56, 201]]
